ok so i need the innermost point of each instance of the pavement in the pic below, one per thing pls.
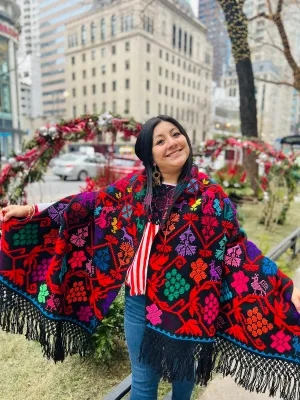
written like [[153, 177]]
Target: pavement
[[226, 389]]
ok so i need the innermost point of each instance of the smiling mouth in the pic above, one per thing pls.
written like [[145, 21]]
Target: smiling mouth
[[174, 153]]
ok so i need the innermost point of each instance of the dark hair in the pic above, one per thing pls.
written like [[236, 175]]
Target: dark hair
[[143, 149]]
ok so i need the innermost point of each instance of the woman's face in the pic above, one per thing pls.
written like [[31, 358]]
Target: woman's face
[[170, 149]]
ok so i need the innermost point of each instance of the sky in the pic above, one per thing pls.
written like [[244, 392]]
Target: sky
[[194, 5]]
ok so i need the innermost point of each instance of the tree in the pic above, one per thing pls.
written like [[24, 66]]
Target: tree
[[237, 26], [275, 14]]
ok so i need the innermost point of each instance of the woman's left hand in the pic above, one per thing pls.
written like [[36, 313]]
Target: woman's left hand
[[296, 298]]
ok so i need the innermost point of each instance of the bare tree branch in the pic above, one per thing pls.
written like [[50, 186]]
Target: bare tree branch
[[260, 15], [270, 7], [274, 82]]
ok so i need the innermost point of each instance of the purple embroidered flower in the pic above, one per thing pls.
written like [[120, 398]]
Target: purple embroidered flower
[[252, 250], [232, 256], [186, 249], [109, 299], [39, 274], [85, 313], [154, 314]]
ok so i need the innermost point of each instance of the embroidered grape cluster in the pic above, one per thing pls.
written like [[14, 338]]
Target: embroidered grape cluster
[[175, 285], [39, 273], [257, 325], [211, 308], [76, 293], [26, 236]]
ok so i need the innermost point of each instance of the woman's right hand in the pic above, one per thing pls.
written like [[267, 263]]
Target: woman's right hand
[[14, 211]]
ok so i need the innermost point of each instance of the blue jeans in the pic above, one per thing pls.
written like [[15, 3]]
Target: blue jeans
[[145, 380]]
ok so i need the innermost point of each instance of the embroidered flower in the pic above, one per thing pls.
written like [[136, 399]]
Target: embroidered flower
[[280, 342], [78, 212], [51, 237], [256, 324], [211, 308], [186, 249], [77, 259], [252, 250], [154, 314], [43, 293], [198, 273], [79, 239], [85, 313], [269, 267], [39, 273], [102, 258], [240, 282], [232, 256], [76, 293]]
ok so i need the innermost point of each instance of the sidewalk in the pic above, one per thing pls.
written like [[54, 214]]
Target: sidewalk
[[226, 389]]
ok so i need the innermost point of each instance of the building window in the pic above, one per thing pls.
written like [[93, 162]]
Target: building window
[[166, 90], [114, 67], [178, 94], [160, 71], [74, 112], [103, 87], [178, 62], [113, 50], [93, 32], [93, 54], [73, 76], [84, 90], [73, 60], [167, 73], [127, 83], [103, 69], [185, 42], [159, 108], [127, 46], [173, 76], [83, 57], [114, 106], [93, 71], [179, 38], [159, 88], [148, 66], [173, 59], [147, 107], [183, 80], [148, 47], [172, 92], [147, 84], [127, 65], [83, 34], [94, 108], [85, 109], [103, 52], [183, 96], [160, 53], [171, 111], [84, 74], [113, 25], [191, 46], [94, 89], [103, 107], [114, 86], [74, 92], [167, 56], [127, 106], [103, 29], [174, 36]]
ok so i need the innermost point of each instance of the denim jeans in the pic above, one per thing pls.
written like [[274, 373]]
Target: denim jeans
[[144, 378]]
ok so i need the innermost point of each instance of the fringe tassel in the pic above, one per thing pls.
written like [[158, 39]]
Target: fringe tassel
[[57, 338], [256, 373], [174, 359]]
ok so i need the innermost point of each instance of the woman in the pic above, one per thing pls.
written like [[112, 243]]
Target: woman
[[196, 287]]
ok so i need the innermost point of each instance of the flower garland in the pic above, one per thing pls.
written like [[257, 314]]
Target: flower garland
[[30, 166]]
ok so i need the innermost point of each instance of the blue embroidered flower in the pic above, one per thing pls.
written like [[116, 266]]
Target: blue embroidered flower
[[102, 258], [269, 267]]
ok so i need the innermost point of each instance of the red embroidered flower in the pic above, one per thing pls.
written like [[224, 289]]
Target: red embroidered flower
[[77, 259], [240, 282], [198, 273]]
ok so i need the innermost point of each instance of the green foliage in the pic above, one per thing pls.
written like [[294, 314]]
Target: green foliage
[[109, 335]]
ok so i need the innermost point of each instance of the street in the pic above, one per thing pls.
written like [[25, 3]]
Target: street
[[52, 189]]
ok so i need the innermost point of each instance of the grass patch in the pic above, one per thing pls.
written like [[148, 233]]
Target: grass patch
[[26, 375]]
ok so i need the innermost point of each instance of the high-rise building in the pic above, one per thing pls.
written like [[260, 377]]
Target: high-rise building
[[211, 14], [10, 132], [29, 59], [122, 59], [53, 14]]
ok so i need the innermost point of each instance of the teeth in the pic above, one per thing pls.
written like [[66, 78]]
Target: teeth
[[176, 152]]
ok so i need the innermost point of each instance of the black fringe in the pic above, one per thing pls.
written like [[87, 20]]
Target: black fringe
[[256, 373], [57, 338], [174, 359]]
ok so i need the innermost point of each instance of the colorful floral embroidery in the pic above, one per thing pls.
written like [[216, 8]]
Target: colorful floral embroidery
[[281, 342], [211, 309], [175, 285], [198, 267], [240, 282], [154, 314], [256, 324]]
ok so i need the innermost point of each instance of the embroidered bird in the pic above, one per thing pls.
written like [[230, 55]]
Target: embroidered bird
[[261, 286]]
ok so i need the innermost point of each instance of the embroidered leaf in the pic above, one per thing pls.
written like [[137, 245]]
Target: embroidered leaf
[[157, 261], [237, 332], [190, 327], [103, 279], [194, 302]]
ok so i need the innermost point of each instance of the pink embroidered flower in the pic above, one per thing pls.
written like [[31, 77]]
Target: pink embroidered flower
[[232, 256], [280, 342], [77, 259], [240, 282], [85, 313], [154, 314], [211, 309]]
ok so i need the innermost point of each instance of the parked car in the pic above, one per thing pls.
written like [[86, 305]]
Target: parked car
[[124, 165], [78, 165]]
